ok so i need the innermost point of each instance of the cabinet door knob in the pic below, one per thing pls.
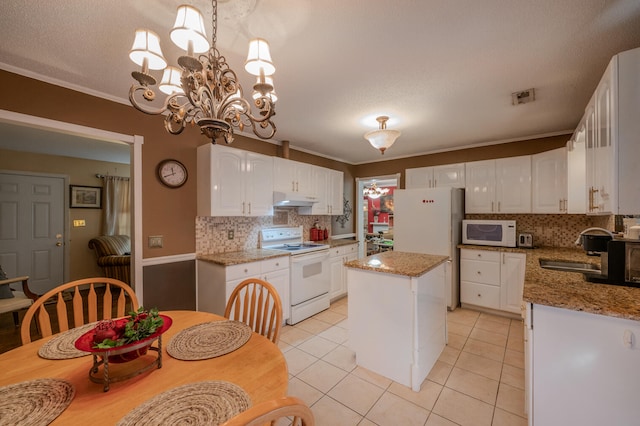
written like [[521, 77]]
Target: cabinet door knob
[[246, 270], [479, 295], [478, 272]]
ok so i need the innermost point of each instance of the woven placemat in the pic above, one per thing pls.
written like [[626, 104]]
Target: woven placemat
[[202, 403], [62, 346], [209, 340], [35, 402]]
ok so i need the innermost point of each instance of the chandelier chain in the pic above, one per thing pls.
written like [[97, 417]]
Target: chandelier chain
[[214, 23]]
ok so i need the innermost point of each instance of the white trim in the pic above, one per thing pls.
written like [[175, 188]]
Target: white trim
[[136, 223], [63, 127], [135, 143], [163, 260], [62, 83], [360, 183], [472, 145]]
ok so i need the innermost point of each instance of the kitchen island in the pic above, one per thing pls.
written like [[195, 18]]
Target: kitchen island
[[398, 314]]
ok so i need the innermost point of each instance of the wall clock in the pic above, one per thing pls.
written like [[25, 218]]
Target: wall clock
[[172, 173]]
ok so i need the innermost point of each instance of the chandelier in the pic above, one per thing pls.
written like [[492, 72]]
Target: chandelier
[[204, 91], [382, 138], [374, 192]]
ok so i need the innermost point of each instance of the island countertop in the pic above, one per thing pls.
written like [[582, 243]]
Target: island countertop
[[239, 257], [569, 290], [398, 263]]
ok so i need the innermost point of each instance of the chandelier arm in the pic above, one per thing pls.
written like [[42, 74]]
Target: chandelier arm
[[148, 95], [211, 96]]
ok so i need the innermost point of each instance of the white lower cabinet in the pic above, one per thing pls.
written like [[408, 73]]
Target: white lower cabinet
[[216, 282], [338, 257], [492, 279], [582, 368]]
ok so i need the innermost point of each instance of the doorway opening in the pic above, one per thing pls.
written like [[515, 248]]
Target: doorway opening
[[374, 218], [134, 148]]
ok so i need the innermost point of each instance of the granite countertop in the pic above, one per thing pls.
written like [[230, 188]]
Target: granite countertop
[[398, 263], [569, 290], [337, 242], [239, 257]]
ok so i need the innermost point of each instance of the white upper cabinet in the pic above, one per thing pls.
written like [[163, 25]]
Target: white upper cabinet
[[613, 139], [233, 182], [449, 175], [549, 181], [328, 188], [336, 193], [321, 180], [480, 193], [576, 172], [292, 176], [498, 186]]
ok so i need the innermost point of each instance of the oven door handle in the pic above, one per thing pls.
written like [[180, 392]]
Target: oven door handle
[[306, 257]]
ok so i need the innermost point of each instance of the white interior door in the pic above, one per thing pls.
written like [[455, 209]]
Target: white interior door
[[32, 228]]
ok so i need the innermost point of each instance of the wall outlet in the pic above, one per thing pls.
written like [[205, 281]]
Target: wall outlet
[[155, 241], [230, 234]]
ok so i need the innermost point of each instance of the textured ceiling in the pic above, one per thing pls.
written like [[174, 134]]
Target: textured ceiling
[[443, 71]]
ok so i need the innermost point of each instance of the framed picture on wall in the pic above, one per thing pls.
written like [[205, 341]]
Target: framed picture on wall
[[386, 203], [85, 197]]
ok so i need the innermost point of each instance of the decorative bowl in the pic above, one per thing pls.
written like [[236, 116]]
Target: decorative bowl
[[123, 353]]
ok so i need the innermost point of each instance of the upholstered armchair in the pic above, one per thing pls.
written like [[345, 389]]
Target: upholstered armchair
[[114, 255]]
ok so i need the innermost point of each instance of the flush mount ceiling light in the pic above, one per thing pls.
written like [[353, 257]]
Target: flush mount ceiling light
[[204, 91], [373, 191], [382, 138]]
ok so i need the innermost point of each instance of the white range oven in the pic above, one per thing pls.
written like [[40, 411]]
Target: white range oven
[[310, 279]]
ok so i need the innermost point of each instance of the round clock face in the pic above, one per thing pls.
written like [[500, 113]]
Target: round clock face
[[172, 173]]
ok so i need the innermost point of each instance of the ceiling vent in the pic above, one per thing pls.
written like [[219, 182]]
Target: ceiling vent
[[523, 97]]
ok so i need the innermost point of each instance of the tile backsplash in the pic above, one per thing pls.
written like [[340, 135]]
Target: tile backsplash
[[552, 230], [212, 232]]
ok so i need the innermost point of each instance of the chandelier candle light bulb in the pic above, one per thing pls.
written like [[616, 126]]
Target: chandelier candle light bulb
[[204, 91]]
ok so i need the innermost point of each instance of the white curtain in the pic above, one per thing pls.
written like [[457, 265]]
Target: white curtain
[[116, 217]]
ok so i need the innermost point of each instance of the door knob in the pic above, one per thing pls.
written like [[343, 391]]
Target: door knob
[[58, 244]]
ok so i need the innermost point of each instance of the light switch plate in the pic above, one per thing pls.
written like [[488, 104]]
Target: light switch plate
[[155, 241], [78, 223]]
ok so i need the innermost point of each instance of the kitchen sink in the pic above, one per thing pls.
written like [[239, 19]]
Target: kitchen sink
[[560, 265]]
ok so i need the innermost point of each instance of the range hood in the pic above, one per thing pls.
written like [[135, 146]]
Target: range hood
[[292, 199]]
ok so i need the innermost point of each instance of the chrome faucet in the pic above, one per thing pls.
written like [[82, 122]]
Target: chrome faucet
[[579, 240]]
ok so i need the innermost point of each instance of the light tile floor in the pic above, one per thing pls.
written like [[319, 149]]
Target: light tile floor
[[478, 379]]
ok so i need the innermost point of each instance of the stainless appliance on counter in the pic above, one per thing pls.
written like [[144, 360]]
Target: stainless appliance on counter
[[525, 240], [619, 258], [310, 279]]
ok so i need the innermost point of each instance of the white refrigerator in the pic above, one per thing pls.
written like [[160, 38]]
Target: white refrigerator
[[430, 221]]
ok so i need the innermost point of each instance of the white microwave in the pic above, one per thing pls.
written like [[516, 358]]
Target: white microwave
[[501, 233]]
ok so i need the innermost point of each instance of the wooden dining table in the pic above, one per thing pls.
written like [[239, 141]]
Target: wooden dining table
[[258, 367]]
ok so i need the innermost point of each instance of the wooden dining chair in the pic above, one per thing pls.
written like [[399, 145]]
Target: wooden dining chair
[[16, 300], [269, 412], [256, 303], [83, 295]]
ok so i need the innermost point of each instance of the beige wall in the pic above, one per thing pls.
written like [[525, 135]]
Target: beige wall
[[80, 172], [172, 212], [167, 212], [511, 149]]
